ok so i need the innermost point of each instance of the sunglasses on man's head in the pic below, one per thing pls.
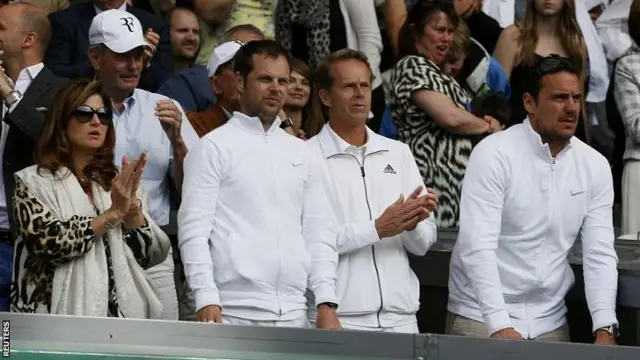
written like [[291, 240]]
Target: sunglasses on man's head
[[84, 114], [554, 63]]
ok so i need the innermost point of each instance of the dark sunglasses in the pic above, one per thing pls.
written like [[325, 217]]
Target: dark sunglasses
[[553, 64], [84, 114]]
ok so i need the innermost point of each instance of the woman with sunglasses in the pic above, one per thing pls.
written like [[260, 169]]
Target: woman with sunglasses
[[82, 238]]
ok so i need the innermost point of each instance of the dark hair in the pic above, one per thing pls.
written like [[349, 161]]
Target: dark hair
[[176, 9], [243, 60], [550, 65], [301, 68], [250, 28], [312, 116], [494, 105], [417, 18], [53, 149], [634, 22]]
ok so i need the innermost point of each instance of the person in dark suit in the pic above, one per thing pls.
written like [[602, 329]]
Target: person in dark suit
[[27, 87], [67, 55]]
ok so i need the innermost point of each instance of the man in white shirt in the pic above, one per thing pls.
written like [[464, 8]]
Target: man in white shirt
[[144, 121], [254, 226], [528, 193], [27, 87], [367, 179]]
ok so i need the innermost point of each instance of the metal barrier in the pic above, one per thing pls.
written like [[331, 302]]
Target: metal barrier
[[61, 337]]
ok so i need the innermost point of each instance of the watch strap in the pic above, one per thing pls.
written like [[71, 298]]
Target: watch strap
[[329, 304], [12, 97], [613, 330], [286, 123]]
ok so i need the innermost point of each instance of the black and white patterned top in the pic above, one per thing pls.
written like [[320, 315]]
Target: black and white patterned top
[[441, 155]]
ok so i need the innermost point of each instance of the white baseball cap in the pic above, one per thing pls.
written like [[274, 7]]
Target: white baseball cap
[[118, 30], [222, 55]]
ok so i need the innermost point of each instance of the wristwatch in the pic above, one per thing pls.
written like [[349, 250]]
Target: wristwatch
[[12, 98], [612, 330], [286, 123], [329, 304]]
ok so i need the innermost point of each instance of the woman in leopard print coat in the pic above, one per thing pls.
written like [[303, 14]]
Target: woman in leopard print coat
[[82, 237]]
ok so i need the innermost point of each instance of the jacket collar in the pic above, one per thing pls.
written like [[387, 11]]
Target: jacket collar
[[332, 146], [542, 149], [253, 125]]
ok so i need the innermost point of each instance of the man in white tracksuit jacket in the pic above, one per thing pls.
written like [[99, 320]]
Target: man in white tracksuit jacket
[[254, 226], [367, 178]]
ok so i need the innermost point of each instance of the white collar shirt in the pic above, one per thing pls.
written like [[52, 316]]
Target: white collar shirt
[[137, 130]]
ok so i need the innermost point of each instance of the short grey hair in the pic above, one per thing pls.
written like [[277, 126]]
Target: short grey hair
[[230, 33], [99, 49]]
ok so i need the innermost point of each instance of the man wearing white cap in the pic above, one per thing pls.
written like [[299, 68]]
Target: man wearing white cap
[[144, 121], [223, 84], [67, 55]]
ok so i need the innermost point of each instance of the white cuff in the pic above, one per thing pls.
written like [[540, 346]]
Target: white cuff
[[324, 294], [497, 321], [603, 318], [205, 297]]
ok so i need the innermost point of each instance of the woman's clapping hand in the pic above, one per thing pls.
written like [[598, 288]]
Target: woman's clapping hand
[[125, 184]]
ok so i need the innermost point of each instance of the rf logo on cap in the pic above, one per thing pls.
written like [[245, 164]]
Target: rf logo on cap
[[128, 22]]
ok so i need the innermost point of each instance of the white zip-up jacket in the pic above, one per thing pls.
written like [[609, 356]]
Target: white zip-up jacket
[[254, 225], [521, 211], [376, 286]]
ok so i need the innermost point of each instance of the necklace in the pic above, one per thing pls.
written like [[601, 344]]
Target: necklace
[[84, 183]]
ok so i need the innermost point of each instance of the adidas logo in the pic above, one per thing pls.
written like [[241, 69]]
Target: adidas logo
[[389, 170]]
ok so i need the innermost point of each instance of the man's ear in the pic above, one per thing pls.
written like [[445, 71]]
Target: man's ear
[[214, 84], [323, 94], [240, 83], [29, 40], [529, 103], [94, 59]]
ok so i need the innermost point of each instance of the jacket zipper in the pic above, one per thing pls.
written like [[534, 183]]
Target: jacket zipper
[[266, 140], [373, 250]]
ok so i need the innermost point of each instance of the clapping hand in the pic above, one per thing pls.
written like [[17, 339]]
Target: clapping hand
[[5, 86], [170, 118], [125, 185], [153, 39], [427, 202]]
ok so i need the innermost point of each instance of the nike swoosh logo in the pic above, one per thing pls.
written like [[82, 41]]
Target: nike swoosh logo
[[576, 192], [296, 164]]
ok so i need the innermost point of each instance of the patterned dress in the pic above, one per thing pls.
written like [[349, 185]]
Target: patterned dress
[[441, 155], [254, 12], [43, 242]]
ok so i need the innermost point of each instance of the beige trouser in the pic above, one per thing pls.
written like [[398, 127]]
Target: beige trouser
[[460, 325], [300, 322]]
